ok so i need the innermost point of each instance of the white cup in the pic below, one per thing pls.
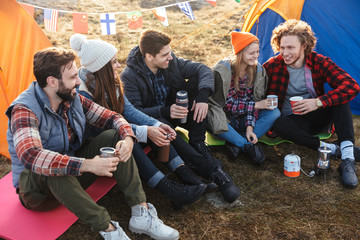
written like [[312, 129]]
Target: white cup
[[274, 100]]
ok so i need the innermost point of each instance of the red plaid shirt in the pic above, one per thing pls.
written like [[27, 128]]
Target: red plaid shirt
[[344, 87], [241, 102], [27, 140]]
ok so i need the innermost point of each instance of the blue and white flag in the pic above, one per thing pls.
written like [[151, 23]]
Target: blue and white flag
[[186, 8], [107, 21]]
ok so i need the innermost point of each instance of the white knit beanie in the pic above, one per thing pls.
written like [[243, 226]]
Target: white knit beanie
[[94, 54]]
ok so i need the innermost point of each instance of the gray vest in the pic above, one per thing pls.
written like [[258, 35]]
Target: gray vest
[[52, 127]]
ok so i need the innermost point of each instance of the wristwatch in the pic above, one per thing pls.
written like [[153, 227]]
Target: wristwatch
[[319, 104]]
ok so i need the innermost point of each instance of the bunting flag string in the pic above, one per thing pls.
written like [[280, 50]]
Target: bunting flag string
[[51, 19], [96, 13], [160, 13], [186, 8], [107, 20], [134, 20], [80, 22], [212, 2]]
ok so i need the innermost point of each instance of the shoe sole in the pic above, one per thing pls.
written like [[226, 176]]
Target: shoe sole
[[348, 186], [139, 231]]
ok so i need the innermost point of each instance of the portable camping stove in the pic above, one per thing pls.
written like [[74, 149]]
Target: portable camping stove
[[323, 163]]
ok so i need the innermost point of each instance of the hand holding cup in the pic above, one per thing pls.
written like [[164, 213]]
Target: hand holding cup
[[294, 104], [273, 99]]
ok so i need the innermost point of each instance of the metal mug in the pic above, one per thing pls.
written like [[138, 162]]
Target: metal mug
[[106, 152]]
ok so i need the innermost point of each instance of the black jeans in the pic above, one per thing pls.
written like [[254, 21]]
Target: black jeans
[[196, 130], [202, 166], [300, 128]]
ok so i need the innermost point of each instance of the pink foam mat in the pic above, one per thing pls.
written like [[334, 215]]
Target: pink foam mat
[[17, 222]]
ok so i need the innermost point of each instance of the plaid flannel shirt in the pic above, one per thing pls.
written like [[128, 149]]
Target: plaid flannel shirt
[[344, 87], [27, 140], [241, 102], [159, 86]]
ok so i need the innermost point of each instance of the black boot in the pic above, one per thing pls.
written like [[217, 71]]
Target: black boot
[[256, 153], [347, 170], [232, 150], [188, 177], [227, 187], [201, 148], [180, 194]]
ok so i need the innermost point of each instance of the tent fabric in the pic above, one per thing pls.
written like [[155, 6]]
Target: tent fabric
[[334, 22], [21, 38]]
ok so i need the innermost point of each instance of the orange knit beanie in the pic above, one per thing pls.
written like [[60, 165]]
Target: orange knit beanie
[[240, 40]]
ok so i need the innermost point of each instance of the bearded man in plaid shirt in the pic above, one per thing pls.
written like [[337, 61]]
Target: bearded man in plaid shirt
[[299, 71], [52, 164]]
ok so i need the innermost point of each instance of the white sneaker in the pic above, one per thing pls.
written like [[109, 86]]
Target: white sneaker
[[146, 221], [117, 234]]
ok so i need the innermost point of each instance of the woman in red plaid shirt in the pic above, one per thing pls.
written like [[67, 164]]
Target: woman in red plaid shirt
[[299, 71]]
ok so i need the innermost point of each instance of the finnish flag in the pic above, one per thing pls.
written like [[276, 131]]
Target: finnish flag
[[107, 21]]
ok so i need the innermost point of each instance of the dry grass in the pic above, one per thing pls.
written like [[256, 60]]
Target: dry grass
[[274, 206]]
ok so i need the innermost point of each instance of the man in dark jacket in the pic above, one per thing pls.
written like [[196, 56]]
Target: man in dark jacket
[[299, 71], [151, 80]]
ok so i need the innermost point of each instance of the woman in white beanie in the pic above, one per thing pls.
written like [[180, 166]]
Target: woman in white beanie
[[100, 83]]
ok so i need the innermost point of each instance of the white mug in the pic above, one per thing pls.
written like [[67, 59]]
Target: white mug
[[274, 100]]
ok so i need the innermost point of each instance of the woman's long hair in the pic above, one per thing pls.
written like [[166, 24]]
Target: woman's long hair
[[106, 85], [250, 71]]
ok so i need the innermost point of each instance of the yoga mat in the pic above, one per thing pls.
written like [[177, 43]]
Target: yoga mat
[[209, 138], [19, 223], [274, 141], [215, 141]]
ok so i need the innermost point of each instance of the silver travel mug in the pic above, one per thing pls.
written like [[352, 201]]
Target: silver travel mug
[[182, 100], [107, 152]]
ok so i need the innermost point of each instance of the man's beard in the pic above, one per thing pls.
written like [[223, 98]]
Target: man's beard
[[65, 94]]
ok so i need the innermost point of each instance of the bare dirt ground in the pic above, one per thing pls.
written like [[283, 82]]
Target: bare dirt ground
[[273, 206]]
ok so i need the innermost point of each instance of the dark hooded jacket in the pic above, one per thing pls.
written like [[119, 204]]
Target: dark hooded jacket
[[139, 90]]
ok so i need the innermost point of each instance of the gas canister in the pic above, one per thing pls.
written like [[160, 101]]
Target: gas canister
[[292, 165]]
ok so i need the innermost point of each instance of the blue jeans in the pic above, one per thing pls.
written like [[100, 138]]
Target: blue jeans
[[148, 171], [237, 132]]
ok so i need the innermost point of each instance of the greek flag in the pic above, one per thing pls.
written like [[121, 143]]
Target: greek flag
[[186, 8]]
